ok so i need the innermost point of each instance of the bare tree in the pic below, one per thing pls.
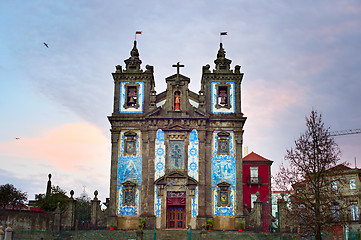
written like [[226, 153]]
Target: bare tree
[[316, 204]]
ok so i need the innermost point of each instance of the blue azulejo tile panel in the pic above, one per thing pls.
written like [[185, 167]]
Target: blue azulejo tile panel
[[129, 169], [122, 100], [214, 98], [195, 203], [159, 168], [223, 170], [193, 163], [159, 163], [157, 202], [193, 155]]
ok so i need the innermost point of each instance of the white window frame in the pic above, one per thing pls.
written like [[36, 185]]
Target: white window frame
[[353, 184], [354, 211], [253, 172]]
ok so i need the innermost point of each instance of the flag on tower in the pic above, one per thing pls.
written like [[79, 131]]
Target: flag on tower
[[223, 33], [138, 32]]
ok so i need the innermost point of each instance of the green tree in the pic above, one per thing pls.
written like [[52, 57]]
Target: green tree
[[11, 197], [315, 205], [50, 202]]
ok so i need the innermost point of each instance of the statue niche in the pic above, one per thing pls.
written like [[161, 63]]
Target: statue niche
[[177, 101]]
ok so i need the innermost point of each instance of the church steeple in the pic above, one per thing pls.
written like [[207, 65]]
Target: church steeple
[[222, 63], [132, 64]]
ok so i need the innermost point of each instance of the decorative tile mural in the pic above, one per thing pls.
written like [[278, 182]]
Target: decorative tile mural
[[123, 98], [129, 169], [232, 99], [193, 155], [159, 168], [193, 167], [223, 170], [176, 154], [159, 162], [157, 202]]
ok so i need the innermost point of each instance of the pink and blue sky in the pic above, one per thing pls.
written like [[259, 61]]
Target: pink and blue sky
[[296, 56]]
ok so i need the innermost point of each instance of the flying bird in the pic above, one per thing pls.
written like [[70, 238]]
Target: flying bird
[[46, 45], [17, 138]]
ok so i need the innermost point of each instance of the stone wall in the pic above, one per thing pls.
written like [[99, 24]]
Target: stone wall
[[27, 220]]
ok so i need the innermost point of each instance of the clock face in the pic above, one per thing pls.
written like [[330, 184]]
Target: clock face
[[224, 198]]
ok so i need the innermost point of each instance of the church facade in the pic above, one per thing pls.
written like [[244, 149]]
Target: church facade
[[177, 155]]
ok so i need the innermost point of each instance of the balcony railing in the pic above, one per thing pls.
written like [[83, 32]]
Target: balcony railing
[[254, 180]]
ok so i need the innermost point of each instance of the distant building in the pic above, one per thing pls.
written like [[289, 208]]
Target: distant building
[[347, 182], [351, 191], [257, 178]]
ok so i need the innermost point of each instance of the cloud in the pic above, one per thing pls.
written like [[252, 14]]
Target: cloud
[[68, 147]]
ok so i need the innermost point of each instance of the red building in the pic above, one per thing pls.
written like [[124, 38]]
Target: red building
[[257, 178]]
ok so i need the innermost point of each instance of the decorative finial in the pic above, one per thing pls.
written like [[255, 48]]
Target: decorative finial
[[71, 194], [134, 53], [49, 176], [221, 52], [96, 195]]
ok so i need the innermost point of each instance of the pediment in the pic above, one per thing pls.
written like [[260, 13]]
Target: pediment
[[174, 177], [181, 78], [176, 127]]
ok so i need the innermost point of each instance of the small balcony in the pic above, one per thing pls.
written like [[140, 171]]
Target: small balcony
[[254, 180]]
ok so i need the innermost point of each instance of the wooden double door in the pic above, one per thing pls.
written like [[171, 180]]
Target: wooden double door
[[176, 217]]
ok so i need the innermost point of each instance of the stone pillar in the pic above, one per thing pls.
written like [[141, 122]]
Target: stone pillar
[[201, 219], [48, 187], [282, 215], [254, 219], [208, 173], [112, 219], [69, 214], [95, 211], [57, 218], [257, 214], [8, 233], [239, 178]]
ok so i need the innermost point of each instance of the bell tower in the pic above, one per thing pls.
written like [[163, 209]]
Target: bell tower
[[221, 88], [134, 96]]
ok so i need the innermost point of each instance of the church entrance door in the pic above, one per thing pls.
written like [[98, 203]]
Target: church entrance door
[[176, 217], [176, 209]]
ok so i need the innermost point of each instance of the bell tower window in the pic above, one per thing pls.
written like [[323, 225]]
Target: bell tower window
[[131, 96], [223, 98]]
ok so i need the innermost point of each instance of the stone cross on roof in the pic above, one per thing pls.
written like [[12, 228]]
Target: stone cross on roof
[[178, 66]]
